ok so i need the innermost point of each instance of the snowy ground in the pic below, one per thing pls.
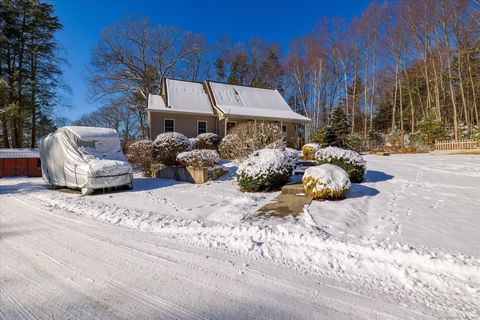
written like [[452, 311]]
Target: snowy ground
[[403, 245]]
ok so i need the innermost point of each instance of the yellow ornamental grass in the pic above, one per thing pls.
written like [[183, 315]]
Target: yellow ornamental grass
[[308, 151]]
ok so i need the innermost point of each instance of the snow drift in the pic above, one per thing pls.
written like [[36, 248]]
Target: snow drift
[[84, 158]]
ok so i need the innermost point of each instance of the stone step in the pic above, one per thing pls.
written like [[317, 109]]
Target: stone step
[[295, 189]]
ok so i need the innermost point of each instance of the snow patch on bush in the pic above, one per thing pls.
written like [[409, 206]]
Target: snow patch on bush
[[293, 154], [208, 141], [352, 162], [198, 158], [326, 182], [265, 169], [308, 151], [168, 145]]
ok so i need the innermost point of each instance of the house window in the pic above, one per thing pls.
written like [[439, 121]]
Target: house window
[[230, 126], [201, 127], [284, 128], [169, 125]]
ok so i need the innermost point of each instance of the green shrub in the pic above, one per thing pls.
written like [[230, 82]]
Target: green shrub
[[264, 170], [323, 137], [354, 142], [350, 161]]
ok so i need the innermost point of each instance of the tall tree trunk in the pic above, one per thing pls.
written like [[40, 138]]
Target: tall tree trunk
[[33, 103], [394, 124]]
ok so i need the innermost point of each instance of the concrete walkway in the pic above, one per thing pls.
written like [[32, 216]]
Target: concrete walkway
[[290, 202]]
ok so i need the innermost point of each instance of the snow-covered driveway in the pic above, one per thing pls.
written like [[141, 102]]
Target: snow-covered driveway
[[403, 245], [56, 265]]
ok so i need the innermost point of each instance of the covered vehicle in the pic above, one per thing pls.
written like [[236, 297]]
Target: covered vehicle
[[85, 158]]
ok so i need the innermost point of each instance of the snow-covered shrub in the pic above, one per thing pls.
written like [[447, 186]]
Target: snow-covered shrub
[[375, 140], [264, 170], [139, 153], [198, 158], [167, 146], [208, 141], [326, 182], [308, 151], [250, 137], [293, 154], [355, 142], [228, 146], [279, 144], [350, 161], [192, 144]]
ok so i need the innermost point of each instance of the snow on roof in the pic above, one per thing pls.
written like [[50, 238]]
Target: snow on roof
[[92, 133], [252, 102], [6, 153], [182, 96]]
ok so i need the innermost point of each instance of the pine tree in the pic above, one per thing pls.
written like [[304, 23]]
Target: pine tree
[[340, 127]]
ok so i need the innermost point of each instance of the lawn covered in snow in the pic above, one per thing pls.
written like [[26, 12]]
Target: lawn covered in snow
[[407, 235]]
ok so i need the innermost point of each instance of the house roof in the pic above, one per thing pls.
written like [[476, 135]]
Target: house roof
[[6, 153], [244, 101], [182, 97]]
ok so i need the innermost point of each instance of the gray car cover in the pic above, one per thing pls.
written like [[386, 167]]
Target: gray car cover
[[84, 158]]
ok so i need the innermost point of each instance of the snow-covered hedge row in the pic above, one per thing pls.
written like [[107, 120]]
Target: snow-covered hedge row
[[198, 158], [326, 182], [208, 141], [264, 170], [167, 146], [140, 153], [308, 151], [350, 161]]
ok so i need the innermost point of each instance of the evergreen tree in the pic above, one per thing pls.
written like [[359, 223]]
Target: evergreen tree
[[340, 126], [29, 66], [324, 137]]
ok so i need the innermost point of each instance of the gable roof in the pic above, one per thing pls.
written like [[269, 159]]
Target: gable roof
[[182, 97], [243, 101]]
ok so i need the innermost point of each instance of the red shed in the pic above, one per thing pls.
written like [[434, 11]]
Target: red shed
[[20, 162]]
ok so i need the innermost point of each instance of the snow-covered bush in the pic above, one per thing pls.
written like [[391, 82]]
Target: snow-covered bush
[[139, 153], [248, 137], [228, 146], [264, 170], [354, 141], [192, 144], [198, 158], [208, 141], [279, 144], [167, 146], [350, 161], [293, 154], [308, 151], [326, 182]]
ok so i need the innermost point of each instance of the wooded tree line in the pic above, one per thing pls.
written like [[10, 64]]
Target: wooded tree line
[[397, 68], [30, 75]]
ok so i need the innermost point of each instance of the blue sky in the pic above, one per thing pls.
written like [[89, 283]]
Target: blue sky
[[278, 21]]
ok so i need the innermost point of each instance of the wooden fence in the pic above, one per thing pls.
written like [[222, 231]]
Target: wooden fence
[[457, 145]]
